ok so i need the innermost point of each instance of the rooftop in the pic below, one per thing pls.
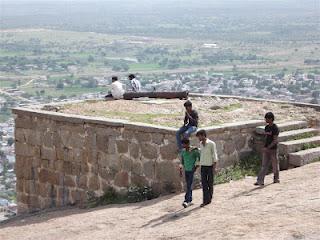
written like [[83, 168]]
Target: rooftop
[[170, 112]]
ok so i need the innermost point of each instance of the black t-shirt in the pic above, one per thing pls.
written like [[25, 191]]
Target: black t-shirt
[[191, 119], [274, 130]]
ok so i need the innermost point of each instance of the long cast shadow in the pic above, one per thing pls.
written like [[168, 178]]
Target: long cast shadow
[[247, 193], [170, 217]]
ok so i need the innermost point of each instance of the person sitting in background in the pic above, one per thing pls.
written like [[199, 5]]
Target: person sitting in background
[[117, 90], [190, 124], [135, 84]]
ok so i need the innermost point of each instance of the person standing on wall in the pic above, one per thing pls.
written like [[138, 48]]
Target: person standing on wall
[[208, 162], [190, 125], [269, 151], [135, 83]]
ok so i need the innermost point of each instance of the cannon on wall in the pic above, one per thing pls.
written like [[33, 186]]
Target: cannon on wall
[[166, 95]]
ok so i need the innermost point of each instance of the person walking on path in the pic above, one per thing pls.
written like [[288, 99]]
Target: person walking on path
[[269, 151], [208, 162], [189, 161], [190, 125]]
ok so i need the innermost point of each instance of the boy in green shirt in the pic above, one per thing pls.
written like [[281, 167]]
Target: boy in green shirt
[[190, 159]]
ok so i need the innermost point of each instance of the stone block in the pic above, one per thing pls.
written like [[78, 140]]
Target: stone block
[[82, 182], [240, 142], [149, 151], [48, 139], [102, 142], [134, 150], [23, 149], [94, 183], [122, 146], [126, 163], [169, 152], [157, 138], [121, 179], [149, 169], [69, 181], [20, 185], [229, 148], [112, 146], [24, 122], [45, 189], [31, 187], [143, 137], [139, 181], [137, 168], [48, 153]]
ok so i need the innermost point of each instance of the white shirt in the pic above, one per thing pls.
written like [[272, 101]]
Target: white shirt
[[208, 153], [136, 85], [117, 90]]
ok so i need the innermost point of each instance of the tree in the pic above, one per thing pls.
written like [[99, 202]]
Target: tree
[[10, 141], [60, 86]]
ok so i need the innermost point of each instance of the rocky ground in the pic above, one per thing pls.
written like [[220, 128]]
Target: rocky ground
[[212, 110], [290, 210]]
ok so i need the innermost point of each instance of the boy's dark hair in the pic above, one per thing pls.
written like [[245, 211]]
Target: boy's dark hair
[[269, 115], [131, 76], [185, 141], [114, 78], [201, 133], [188, 103]]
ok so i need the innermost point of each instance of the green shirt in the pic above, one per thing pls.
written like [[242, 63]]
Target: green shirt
[[208, 153], [189, 158]]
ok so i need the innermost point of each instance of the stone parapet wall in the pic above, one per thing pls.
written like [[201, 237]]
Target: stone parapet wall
[[60, 157]]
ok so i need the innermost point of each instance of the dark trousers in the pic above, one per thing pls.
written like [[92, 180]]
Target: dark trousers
[[269, 156], [189, 181], [207, 183]]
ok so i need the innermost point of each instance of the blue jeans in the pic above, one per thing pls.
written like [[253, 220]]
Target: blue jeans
[[189, 181], [186, 131]]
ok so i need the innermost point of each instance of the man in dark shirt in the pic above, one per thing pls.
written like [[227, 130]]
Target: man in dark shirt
[[190, 124], [269, 151]]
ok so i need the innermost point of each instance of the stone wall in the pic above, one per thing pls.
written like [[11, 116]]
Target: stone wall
[[60, 157]]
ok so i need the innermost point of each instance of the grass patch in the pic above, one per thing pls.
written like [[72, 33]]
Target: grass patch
[[307, 146], [232, 107], [303, 136], [249, 166], [134, 194]]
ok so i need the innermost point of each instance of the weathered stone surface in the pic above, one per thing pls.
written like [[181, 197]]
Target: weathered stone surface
[[94, 183], [139, 181], [23, 149], [31, 187], [134, 150], [48, 153], [149, 151], [20, 185], [102, 142], [122, 146], [121, 179], [112, 146], [149, 169], [240, 142], [143, 137], [82, 182], [44, 189], [229, 148], [69, 181], [137, 168], [126, 163], [24, 122], [169, 152], [157, 138]]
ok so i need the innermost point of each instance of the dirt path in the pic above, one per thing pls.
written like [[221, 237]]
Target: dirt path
[[290, 210]]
